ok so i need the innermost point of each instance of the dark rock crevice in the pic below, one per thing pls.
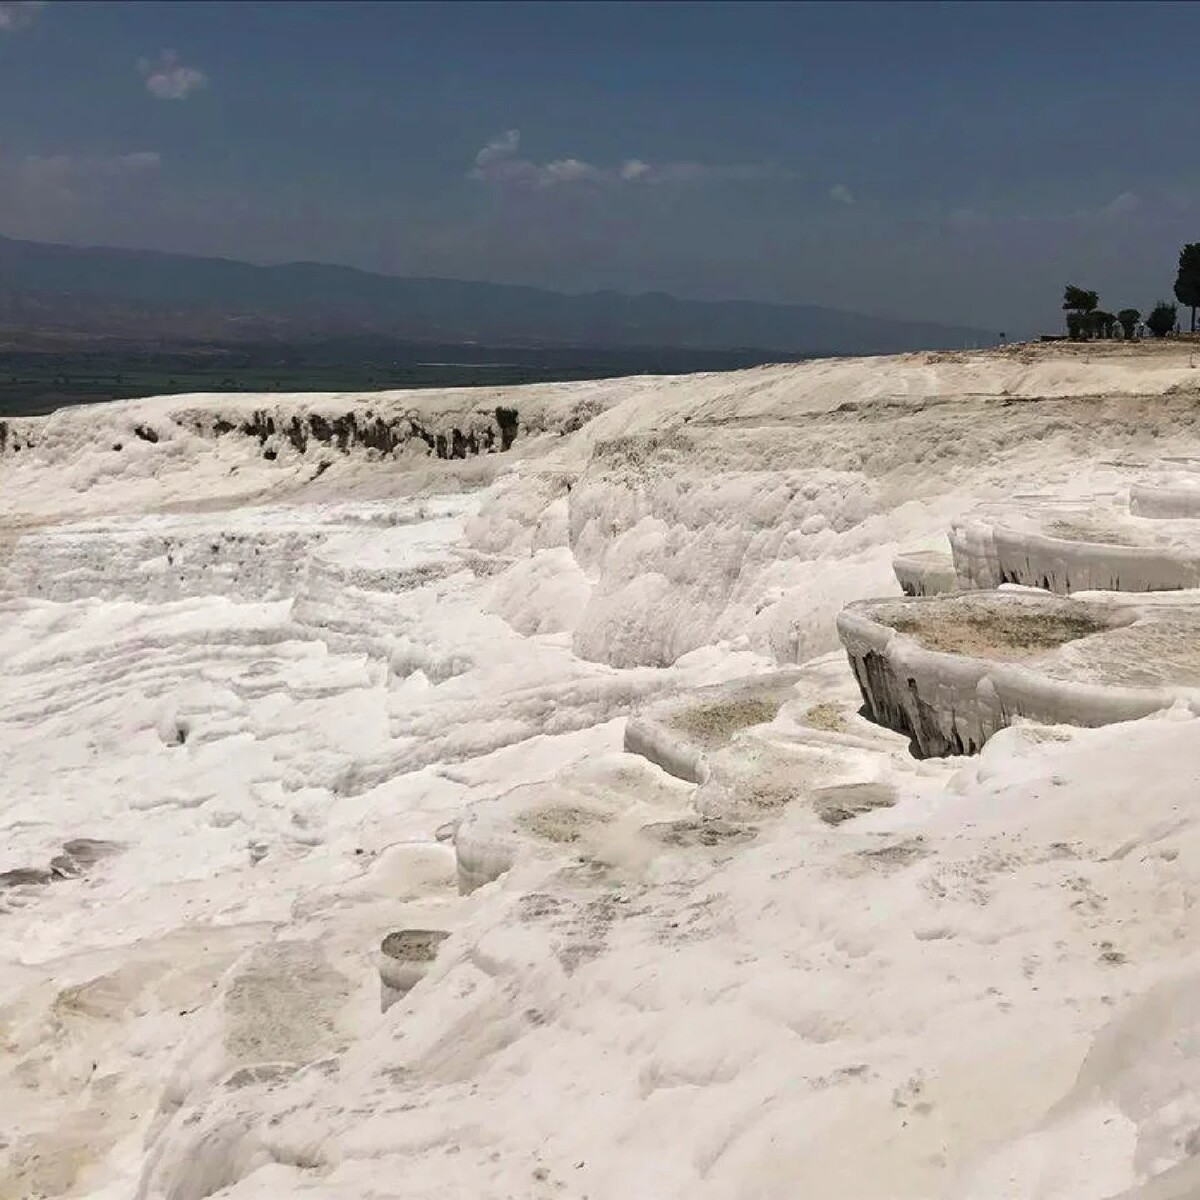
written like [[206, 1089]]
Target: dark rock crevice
[[480, 433], [509, 421], [373, 432], [77, 856]]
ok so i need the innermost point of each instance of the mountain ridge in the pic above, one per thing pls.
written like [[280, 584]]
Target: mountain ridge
[[87, 288]]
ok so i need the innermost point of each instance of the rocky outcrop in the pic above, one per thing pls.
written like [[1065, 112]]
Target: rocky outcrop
[[379, 425], [479, 434]]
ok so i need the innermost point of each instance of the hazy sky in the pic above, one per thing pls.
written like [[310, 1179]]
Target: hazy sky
[[944, 161]]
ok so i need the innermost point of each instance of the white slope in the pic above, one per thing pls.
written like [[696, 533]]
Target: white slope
[[278, 692]]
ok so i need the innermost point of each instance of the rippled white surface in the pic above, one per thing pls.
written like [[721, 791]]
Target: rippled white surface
[[267, 697]]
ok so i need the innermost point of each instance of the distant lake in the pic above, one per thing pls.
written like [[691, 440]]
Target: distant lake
[[37, 382]]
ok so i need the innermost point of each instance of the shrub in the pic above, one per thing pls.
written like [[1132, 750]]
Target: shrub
[[1162, 318], [1129, 318]]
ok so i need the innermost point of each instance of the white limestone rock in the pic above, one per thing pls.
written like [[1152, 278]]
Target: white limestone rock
[[925, 572], [678, 733], [576, 815]]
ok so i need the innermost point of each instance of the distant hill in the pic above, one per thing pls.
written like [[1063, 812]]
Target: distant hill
[[54, 292]]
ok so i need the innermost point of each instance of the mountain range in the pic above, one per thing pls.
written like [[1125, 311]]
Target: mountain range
[[51, 292]]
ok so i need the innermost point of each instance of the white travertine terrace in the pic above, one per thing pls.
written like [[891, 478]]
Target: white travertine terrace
[[1068, 552], [950, 672], [925, 572], [1171, 491], [557, 671]]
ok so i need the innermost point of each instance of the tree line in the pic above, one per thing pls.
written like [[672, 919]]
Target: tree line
[[1087, 320]]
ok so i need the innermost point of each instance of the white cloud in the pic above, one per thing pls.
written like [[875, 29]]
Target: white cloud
[[500, 162], [16, 15], [842, 194], [569, 170], [168, 79], [1121, 206], [503, 146]]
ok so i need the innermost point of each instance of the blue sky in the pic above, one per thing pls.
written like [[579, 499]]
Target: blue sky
[[954, 162]]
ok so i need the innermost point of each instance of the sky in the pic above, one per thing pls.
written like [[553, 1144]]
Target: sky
[[940, 161]]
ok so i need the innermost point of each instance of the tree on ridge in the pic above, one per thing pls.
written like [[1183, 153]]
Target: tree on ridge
[[1187, 282], [1079, 304]]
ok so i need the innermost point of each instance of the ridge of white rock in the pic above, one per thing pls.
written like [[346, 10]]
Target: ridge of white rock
[[807, 963]]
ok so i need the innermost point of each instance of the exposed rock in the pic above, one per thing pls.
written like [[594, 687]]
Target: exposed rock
[[77, 856]]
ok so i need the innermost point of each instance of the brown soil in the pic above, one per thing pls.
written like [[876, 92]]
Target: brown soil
[[713, 724], [843, 802], [898, 854], [699, 832], [559, 823], [1002, 633], [1072, 532], [413, 945], [825, 716]]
